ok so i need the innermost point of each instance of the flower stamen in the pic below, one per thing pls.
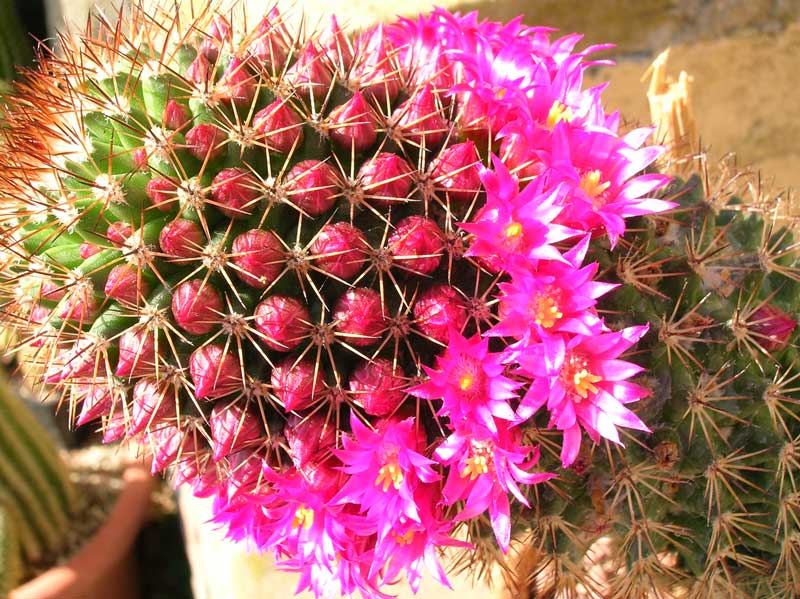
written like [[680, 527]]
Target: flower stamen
[[558, 113], [304, 517], [390, 474]]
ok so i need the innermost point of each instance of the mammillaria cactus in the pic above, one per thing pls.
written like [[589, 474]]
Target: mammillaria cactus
[[349, 288]]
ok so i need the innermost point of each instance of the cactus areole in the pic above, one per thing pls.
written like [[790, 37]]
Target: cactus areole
[[345, 284]]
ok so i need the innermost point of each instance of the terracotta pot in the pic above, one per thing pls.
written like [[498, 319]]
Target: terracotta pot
[[104, 567]]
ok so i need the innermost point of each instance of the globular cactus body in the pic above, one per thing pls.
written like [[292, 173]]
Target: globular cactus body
[[340, 284]]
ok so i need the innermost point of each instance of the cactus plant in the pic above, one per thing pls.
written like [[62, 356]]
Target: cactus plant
[[355, 288], [37, 497]]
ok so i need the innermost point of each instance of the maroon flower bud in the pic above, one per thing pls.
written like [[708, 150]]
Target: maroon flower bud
[[312, 186], [309, 74], [199, 71], [137, 353], [80, 360], [162, 192], [417, 245], [153, 402], [771, 327], [114, 427], [359, 316], [519, 158], [259, 257], [420, 121], [118, 233], [309, 437], [324, 477], [232, 429], [164, 440], [87, 250], [375, 71], [125, 284], [353, 124], [181, 238], [297, 384], [237, 85], [52, 291], [336, 47], [472, 116], [176, 115], [283, 321], [340, 249], [235, 192], [140, 159], [197, 307], [206, 140], [215, 371], [80, 305], [281, 126], [379, 386], [439, 309], [95, 401], [218, 32], [386, 179], [268, 51], [455, 171]]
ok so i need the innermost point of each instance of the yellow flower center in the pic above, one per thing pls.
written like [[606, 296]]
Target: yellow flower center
[[466, 382], [390, 474], [304, 517], [591, 184], [545, 311], [558, 112], [513, 230], [479, 461], [405, 538], [583, 381]]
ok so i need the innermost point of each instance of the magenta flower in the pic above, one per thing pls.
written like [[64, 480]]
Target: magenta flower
[[558, 296], [385, 468], [599, 167], [483, 467], [470, 381], [583, 385], [517, 226]]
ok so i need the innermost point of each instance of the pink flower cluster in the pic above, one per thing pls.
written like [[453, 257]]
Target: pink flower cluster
[[356, 512]]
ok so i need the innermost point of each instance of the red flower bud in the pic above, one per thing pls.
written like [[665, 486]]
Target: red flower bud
[[455, 171], [206, 140], [379, 386], [259, 257], [340, 249], [232, 429], [297, 384], [87, 250], [417, 245], [197, 307], [359, 316], [375, 70], [235, 192], [281, 126], [162, 193], [312, 186], [137, 353], [181, 238], [309, 74], [771, 327], [353, 124], [437, 310], [237, 85], [420, 121], [153, 402], [308, 437], [118, 233], [215, 371], [176, 116], [125, 284], [284, 321], [386, 179]]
